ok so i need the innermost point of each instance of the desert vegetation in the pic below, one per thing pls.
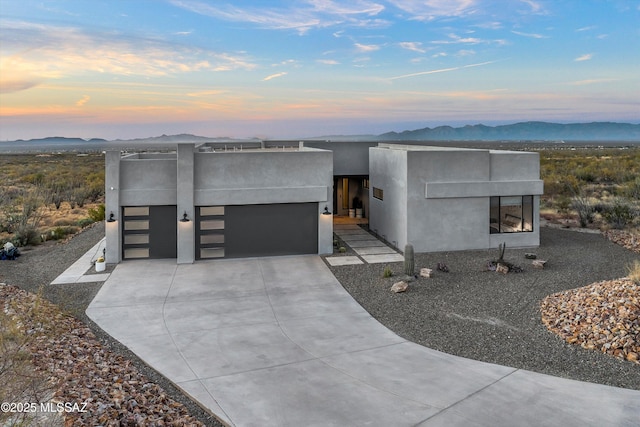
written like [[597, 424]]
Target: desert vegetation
[[591, 187], [49, 196]]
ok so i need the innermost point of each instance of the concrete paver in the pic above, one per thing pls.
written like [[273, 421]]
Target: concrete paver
[[343, 260], [279, 342], [378, 259], [376, 250]]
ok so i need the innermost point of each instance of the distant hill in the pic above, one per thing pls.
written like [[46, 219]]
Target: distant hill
[[61, 140], [183, 137], [526, 131]]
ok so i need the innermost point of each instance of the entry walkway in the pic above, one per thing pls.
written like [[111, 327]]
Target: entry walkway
[[368, 248], [279, 342]]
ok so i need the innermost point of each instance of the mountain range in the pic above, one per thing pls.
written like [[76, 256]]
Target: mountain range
[[524, 131]]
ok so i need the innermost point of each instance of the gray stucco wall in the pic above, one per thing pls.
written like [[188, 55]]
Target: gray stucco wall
[[349, 157], [514, 165], [447, 195], [388, 217], [148, 181], [238, 178]]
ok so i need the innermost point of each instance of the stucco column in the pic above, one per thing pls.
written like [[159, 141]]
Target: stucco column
[[185, 200], [113, 230], [325, 222]]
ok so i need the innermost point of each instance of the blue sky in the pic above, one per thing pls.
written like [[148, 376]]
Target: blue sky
[[291, 69]]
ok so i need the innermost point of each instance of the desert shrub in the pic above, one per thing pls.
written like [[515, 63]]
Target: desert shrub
[[94, 183], [563, 204], [585, 210], [36, 178], [619, 214], [84, 222], [63, 222], [633, 271], [97, 214], [632, 190], [386, 273], [26, 235], [62, 232]]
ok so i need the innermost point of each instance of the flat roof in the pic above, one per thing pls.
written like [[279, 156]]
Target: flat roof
[[410, 147]]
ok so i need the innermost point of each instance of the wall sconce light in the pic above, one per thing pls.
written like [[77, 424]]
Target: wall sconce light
[[184, 217], [111, 218], [326, 211]]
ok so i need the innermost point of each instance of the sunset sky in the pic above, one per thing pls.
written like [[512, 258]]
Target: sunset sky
[[292, 69]]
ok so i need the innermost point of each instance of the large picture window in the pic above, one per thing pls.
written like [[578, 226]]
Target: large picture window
[[511, 214]]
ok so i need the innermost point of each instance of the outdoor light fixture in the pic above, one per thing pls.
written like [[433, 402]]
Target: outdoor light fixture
[[326, 211], [111, 218], [184, 217]]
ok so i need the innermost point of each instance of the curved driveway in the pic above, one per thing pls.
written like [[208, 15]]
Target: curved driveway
[[279, 342]]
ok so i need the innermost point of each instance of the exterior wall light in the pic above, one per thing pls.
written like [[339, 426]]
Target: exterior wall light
[[184, 217], [326, 211], [111, 218]]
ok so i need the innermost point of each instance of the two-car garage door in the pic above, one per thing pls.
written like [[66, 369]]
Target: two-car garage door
[[241, 231], [223, 231]]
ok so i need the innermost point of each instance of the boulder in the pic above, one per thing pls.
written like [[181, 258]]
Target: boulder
[[399, 287], [426, 272], [538, 263], [530, 255], [501, 268]]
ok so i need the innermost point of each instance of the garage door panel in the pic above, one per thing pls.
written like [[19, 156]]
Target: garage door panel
[[268, 230], [149, 232]]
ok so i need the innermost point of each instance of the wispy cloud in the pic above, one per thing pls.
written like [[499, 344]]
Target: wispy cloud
[[534, 7], [37, 53], [589, 28], [431, 9], [530, 35], [83, 101], [591, 82], [585, 57], [301, 17], [205, 93], [366, 47], [414, 46], [456, 39], [274, 76], [441, 70], [492, 25], [327, 61]]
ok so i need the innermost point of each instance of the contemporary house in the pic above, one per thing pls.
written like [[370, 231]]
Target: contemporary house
[[263, 199]]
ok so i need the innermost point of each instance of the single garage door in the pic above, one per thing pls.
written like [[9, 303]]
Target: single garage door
[[149, 232], [257, 230]]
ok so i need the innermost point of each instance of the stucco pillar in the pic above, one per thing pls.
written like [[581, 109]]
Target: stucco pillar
[[185, 200], [113, 230], [325, 222]]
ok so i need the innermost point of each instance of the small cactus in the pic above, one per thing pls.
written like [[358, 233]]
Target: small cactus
[[501, 248], [387, 272], [409, 261]]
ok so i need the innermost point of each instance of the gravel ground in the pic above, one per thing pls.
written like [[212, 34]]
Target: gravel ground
[[37, 267], [496, 318]]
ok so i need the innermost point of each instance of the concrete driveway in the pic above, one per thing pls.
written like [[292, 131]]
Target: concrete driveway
[[279, 342]]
